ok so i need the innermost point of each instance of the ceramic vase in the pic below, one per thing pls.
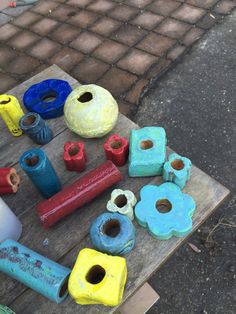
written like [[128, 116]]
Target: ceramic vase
[[11, 112], [47, 98], [177, 170], [116, 149], [147, 151], [10, 226], [34, 270], [165, 211], [122, 202], [36, 128], [90, 111], [82, 191], [40, 171], [112, 233], [9, 181], [97, 278], [74, 156]]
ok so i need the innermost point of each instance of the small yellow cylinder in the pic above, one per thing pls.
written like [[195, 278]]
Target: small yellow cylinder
[[11, 112]]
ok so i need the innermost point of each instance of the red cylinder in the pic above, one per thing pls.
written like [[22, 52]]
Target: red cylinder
[[9, 181], [74, 156], [78, 193], [117, 149]]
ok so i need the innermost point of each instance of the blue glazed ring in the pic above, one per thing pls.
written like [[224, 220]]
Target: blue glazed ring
[[47, 98], [112, 233]]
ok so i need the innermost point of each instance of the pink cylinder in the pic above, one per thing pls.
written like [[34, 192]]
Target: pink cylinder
[[78, 193]]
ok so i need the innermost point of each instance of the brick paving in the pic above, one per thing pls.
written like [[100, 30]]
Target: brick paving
[[120, 45]]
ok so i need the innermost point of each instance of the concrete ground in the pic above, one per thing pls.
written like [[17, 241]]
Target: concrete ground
[[196, 104], [118, 44]]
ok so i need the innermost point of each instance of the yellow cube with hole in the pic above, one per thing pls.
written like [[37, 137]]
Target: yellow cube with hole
[[98, 278]]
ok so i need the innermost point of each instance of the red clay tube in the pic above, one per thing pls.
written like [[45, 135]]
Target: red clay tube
[[78, 193], [74, 156], [117, 149], [9, 180]]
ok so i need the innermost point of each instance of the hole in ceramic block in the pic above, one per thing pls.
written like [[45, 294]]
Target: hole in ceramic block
[[73, 150], [115, 144], [14, 179], [147, 144], [85, 97], [63, 289], [32, 161], [177, 164], [4, 102], [95, 274], [163, 206], [29, 120], [48, 97], [120, 200], [112, 228]]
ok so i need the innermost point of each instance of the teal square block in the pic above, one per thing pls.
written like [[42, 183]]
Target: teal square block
[[147, 151]]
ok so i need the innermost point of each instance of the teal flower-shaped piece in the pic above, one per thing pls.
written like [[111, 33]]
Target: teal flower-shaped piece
[[177, 169], [165, 211]]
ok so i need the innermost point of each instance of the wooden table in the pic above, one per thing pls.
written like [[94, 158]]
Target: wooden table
[[69, 236]]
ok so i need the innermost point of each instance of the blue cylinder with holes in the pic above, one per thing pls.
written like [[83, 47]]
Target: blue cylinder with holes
[[36, 128], [47, 98], [113, 233], [34, 270], [40, 171]]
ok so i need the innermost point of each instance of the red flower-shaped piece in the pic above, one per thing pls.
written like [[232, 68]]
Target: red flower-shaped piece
[[117, 149], [74, 156]]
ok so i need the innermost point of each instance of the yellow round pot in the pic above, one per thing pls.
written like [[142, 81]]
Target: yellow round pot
[[90, 111]]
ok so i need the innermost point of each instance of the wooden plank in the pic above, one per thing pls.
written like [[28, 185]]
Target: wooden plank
[[140, 302], [71, 234]]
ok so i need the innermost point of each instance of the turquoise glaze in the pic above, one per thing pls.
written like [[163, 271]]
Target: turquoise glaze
[[147, 151], [40, 171], [177, 170], [163, 225], [112, 233], [34, 270]]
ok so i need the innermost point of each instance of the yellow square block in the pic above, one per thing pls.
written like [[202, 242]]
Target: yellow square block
[[97, 278]]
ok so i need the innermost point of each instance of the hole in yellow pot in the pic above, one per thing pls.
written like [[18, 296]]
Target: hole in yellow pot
[[85, 97], [95, 274]]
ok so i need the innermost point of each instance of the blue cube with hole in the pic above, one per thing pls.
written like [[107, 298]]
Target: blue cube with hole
[[147, 151]]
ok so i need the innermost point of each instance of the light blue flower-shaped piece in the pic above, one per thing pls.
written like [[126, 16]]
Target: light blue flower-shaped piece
[[163, 225], [177, 169]]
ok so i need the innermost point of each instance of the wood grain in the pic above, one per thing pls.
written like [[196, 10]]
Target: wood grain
[[71, 234]]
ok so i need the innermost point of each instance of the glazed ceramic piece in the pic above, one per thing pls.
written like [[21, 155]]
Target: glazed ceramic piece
[[147, 151], [117, 149], [90, 111], [97, 278], [165, 211], [9, 181], [36, 128], [34, 270], [82, 191], [177, 170], [74, 156], [47, 98], [40, 171], [11, 112], [5, 310], [112, 233], [10, 226], [122, 202]]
